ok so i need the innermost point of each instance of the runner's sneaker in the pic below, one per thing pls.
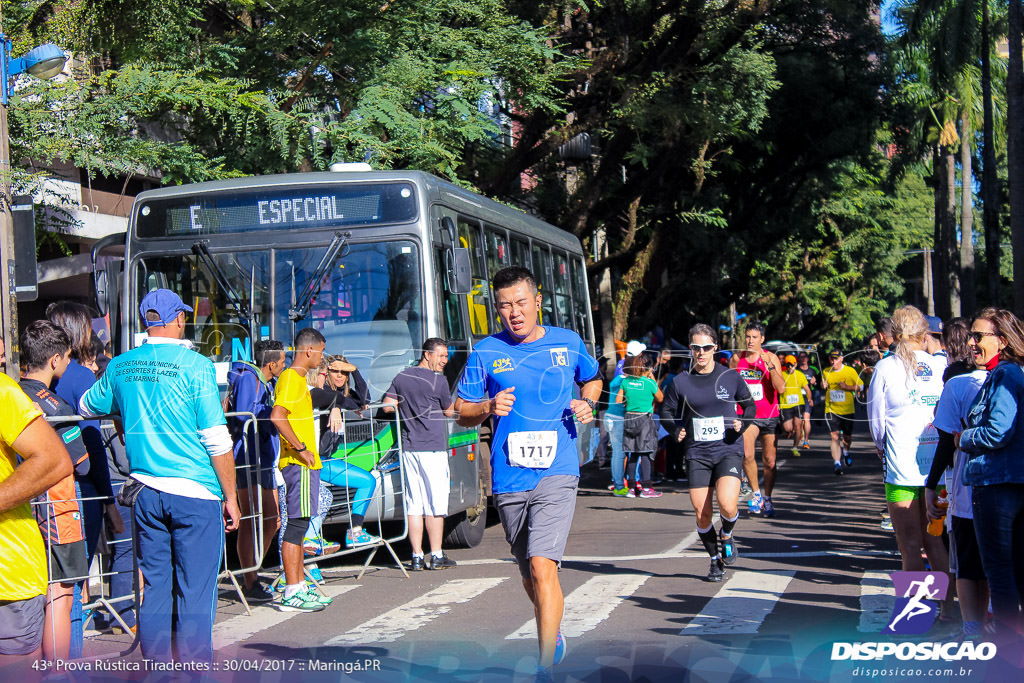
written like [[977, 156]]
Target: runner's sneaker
[[806, 444], [543, 675], [257, 593], [300, 602], [745, 488], [358, 539], [886, 524], [728, 546], [630, 493], [649, 493], [754, 504], [837, 469], [311, 547], [559, 648], [795, 451], [443, 562], [417, 564], [621, 493], [716, 571], [767, 508], [847, 458], [319, 597]]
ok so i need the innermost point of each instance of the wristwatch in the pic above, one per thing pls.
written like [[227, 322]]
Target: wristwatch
[[593, 406], [301, 447]]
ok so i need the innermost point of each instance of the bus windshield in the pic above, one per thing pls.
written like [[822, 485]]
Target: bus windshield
[[369, 306]]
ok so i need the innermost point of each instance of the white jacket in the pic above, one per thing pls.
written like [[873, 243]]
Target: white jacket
[[900, 414]]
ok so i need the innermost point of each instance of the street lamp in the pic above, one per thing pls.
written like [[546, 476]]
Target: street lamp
[[45, 61]]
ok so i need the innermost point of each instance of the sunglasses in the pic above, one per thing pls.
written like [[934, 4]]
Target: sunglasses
[[336, 372], [706, 348], [978, 336]]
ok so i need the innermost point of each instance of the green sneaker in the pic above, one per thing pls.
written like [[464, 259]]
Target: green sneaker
[[319, 597], [620, 492], [300, 602]]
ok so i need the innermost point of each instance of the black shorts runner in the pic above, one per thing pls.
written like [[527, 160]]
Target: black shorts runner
[[795, 413], [704, 470], [840, 423], [767, 425]]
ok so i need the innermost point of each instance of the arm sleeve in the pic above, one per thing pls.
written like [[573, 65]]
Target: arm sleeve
[[362, 392], [99, 399], [943, 459], [876, 409], [473, 385], [1000, 419], [669, 407]]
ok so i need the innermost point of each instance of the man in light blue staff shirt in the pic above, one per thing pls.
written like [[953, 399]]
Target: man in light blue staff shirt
[[523, 379], [179, 448]]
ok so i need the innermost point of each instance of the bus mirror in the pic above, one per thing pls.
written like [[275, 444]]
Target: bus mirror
[[460, 280]]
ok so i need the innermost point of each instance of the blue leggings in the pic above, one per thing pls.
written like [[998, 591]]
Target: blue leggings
[[339, 473]]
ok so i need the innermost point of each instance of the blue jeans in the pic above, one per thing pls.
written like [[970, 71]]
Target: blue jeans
[[178, 545], [120, 562], [999, 525], [613, 425]]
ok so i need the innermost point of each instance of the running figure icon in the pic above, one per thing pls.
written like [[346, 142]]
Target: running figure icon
[[915, 607]]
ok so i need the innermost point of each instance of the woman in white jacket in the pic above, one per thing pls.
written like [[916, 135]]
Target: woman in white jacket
[[904, 391]]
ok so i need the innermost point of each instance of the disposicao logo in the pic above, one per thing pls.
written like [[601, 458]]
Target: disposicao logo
[[914, 612]]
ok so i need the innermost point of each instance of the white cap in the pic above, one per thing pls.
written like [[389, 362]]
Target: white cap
[[635, 348]]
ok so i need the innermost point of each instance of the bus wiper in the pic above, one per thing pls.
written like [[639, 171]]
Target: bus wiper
[[312, 289], [203, 254]]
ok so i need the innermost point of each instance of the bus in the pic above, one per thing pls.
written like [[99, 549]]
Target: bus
[[376, 261]]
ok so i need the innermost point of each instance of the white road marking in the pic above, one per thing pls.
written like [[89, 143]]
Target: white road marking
[[742, 603], [264, 616], [588, 605], [394, 624], [877, 597]]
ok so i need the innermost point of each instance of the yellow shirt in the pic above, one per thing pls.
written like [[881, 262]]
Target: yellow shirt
[[292, 394], [840, 401], [793, 394], [22, 553]]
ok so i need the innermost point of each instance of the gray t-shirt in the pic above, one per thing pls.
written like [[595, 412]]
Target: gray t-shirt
[[423, 396]]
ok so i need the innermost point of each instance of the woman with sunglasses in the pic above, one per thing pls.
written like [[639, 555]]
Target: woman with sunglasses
[[336, 469], [700, 411], [994, 443]]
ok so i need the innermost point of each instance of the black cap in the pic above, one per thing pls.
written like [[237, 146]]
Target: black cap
[[835, 353]]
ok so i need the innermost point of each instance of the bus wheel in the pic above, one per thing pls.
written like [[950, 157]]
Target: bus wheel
[[466, 529]]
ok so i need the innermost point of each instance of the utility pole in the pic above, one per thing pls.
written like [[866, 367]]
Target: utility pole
[[8, 304]]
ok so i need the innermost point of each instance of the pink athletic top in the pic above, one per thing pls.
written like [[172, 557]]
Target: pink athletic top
[[755, 374]]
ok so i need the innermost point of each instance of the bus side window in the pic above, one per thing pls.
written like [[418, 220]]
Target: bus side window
[[521, 254], [562, 301], [542, 271], [451, 316], [497, 258], [579, 297], [479, 299]]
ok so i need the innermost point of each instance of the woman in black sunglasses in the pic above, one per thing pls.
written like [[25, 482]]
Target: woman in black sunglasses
[[700, 412]]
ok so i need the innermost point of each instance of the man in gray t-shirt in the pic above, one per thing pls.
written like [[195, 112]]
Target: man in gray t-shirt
[[424, 401]]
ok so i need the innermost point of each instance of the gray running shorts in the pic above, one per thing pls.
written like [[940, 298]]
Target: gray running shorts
[[537, 522], [21, 625]]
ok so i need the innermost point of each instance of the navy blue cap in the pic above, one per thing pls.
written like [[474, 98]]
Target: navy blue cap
[[166, 303], [934, 324]]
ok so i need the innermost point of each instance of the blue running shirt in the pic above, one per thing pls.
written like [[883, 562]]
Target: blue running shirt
[[544, 373]]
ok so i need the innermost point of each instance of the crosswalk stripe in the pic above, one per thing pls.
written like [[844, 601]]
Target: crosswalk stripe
[[876, 601], [588, 605], [394, 624], [240, 628], [741, 605]]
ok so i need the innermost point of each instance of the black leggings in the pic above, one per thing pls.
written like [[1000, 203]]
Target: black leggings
[[645, 458]]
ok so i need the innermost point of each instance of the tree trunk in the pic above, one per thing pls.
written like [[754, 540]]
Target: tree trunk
[[940, 255], [950, 307], [605, 305], [631, 283], [1015, 152], [989, 172], [967, 287]]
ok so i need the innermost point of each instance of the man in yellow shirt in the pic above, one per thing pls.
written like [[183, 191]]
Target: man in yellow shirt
[[44, 462], [792, 401], [300, 466], [840, 382]]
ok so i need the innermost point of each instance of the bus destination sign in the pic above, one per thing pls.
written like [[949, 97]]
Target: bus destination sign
[[276, 209]]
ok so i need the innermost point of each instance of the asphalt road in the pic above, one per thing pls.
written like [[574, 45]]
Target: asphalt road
[[637, 605]]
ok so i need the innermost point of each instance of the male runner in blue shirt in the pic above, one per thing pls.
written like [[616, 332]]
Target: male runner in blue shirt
[[524, 379]]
